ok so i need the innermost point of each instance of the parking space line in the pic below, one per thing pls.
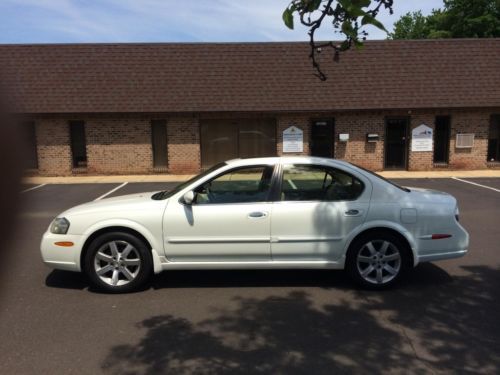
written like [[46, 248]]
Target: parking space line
[[33, 188], [475, 183], [111, 191]]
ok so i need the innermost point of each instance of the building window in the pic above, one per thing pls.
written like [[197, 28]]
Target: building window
[[159, 143], [442, 139], [29, 140], [78, 144], [494, 139]]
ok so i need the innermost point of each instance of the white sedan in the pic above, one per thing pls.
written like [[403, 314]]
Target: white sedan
[[289, 212]]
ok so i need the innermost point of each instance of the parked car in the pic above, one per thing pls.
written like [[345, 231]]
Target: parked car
[[277, 212]]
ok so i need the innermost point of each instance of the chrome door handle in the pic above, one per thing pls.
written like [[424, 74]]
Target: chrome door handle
[[257, 214], [352, 212]]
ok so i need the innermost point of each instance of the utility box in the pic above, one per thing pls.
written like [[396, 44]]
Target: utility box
[[344, 137]]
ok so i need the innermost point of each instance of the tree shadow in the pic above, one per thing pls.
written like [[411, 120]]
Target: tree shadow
[[285, 335], [445, 324]]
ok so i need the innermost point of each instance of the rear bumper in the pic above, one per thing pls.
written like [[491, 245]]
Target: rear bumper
[[59, 257], [442, 256]]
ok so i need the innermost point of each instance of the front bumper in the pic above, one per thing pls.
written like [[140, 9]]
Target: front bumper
[[61, 257]]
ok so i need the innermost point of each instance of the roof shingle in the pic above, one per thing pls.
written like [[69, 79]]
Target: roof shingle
[[79, 78]]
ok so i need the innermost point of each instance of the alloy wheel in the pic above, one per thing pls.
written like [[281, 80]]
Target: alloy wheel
[[378, 262], [117, 263]]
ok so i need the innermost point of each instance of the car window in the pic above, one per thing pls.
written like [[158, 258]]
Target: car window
[[240, 185], [318, 183]]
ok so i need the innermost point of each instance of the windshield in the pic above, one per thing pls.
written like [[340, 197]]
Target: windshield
[[382, 178], [168, 193]]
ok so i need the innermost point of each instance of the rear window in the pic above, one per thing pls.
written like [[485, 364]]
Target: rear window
[[382, 178]]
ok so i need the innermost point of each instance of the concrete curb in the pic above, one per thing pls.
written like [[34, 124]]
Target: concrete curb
[[177, 178]]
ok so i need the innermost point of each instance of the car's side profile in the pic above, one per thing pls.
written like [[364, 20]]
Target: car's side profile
[[288, 212]]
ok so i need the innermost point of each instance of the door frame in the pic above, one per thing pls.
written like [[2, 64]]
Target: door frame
[[407, 120], [330, 120]]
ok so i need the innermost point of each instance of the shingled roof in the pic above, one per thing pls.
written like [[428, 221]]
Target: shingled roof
[[78, 78]]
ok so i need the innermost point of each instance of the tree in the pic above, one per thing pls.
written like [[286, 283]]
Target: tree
[[412, 25], [347, 17], [458, 19]]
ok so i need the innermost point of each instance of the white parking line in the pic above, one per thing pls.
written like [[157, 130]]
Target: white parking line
[[111, 191], [33, 188], [475, 183]]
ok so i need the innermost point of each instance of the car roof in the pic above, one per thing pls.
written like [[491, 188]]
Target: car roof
[[286, 160]]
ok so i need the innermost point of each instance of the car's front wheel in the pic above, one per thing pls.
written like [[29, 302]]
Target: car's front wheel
[[118, 262], [378, 260]]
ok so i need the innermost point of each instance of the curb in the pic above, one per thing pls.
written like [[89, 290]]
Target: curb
[[178, 178]]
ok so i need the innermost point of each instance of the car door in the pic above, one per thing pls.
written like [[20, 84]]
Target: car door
[[317, 208], [228, 220]]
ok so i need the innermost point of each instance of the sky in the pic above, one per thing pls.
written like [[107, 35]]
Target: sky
[[80, 21]]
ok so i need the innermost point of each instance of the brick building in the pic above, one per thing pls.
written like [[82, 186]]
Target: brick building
[[178, 108]]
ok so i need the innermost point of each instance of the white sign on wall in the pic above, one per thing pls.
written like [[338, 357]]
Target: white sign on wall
[[293, 140], [421, 138]]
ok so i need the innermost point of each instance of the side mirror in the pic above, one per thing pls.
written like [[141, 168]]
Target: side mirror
[[188, 198]]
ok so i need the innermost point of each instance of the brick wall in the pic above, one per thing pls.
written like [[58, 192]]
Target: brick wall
[[118, 145], [476, 122], [121, 144], [183, 135], [357, 150], [53, 147]]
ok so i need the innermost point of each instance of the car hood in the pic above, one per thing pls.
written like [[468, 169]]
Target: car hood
[[429, 195], [121, 203]]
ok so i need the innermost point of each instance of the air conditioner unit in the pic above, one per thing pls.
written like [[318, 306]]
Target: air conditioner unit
[[464, 140]]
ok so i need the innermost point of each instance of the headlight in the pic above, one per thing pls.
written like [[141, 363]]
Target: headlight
[[60, 225]]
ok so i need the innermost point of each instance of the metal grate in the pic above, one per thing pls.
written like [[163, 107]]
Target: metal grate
[[464, 140]]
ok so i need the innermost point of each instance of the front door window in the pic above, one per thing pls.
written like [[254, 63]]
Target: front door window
[[241, 185]]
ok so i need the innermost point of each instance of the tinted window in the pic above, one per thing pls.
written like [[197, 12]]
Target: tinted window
[[318, 183], [241, 185]]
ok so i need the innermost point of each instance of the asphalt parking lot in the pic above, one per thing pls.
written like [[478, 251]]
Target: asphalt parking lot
[[443, 318]]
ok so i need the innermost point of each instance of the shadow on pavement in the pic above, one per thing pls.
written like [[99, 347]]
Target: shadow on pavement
[[432, 323], [337, 279]]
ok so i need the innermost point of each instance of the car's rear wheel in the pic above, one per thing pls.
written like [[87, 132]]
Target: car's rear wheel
[[378, 260], [118, 262]]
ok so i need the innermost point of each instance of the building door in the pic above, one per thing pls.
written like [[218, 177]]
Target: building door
[[227, 139], [322, 138], [442, 139], [159, 143], [78, 144], [396, 143]]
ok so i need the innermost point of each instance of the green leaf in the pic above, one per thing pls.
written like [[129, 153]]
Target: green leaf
[[349, 30], [344, 46], [288, 18], [313, 5], [359, 44], [361, 3], [355, 11], [373, 21]]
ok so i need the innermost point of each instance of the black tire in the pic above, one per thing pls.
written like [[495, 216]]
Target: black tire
[[140, 251], [360, 247]]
